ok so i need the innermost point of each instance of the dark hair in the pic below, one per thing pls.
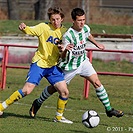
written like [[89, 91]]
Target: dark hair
[[55, 10], [77, 12]]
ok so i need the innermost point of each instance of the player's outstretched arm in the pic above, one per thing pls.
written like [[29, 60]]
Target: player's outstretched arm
[[92, 40]]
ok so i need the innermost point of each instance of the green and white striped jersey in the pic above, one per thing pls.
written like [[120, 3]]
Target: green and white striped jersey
[[77, 55]]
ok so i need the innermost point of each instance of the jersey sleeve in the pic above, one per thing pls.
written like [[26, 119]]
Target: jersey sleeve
[[87, 30], [36, 30]]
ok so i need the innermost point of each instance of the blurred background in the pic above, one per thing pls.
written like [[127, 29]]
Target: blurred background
[[109, 12], [111, 23]]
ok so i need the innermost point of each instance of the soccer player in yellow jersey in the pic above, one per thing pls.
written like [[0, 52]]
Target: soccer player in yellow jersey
[[45, 60]]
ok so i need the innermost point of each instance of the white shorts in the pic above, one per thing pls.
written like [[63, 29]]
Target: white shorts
[[85, 69]]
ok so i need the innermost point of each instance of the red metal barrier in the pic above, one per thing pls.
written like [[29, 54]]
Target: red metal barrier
[[1, 58], [90, 52], [5, 65]]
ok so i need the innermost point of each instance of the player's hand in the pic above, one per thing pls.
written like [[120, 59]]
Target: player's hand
[[101, 46], [60, 47], [64, 52], [22, 26], [69, 47]]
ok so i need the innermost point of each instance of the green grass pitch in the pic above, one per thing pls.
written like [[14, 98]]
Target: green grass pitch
[[120, 90]]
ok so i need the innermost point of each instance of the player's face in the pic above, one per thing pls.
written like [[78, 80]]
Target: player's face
[[78, 24], [56, 20]]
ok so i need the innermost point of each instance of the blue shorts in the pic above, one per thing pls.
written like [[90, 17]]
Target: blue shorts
[[36, 73]]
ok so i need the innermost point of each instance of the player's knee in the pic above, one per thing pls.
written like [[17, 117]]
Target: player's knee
[[61, 87], [28, 88], [67, 92], [97, 83], [64, 93], [26, 92]]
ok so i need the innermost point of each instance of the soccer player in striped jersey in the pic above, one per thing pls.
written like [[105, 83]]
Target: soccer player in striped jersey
[[75, 61], [44, 62]]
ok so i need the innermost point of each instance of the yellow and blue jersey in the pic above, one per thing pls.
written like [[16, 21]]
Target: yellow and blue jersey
[[47, 54]]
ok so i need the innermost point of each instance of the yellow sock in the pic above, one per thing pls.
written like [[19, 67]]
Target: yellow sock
[[61, 104], [1, 107], [14, 97]]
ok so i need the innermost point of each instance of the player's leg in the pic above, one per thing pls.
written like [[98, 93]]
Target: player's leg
[[16, 96], [103, 97], [63, 91], [61, 103], [90, 74], [100, 91], [57, 80], [33, 79], [53, 75], [47, 92]]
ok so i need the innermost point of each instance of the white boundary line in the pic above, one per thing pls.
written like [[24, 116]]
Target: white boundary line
[[17, 103], [50, 107]]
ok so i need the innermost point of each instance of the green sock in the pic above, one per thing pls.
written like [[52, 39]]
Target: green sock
[[103, 97]]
